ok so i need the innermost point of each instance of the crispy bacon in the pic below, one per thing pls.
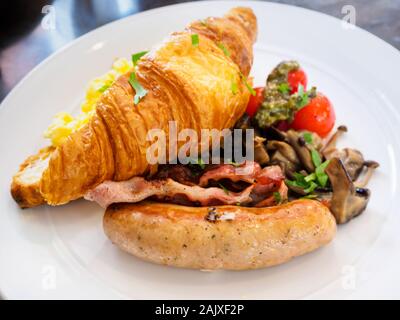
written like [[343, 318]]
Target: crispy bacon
[[245, 172], [267, 181]]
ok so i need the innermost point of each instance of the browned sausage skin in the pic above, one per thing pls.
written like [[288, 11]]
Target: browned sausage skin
[[223, 237]]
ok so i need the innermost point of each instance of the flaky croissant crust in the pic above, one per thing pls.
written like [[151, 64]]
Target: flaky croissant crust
[[187, 84]]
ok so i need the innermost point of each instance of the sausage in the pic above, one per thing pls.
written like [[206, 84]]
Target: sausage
[[222, 237]]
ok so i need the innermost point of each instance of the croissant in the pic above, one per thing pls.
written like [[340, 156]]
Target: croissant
[[186, 83]]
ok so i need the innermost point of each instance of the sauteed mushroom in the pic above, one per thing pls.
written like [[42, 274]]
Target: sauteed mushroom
[[331, 144], [284, 156], [260, 153], [347, 201], [371, 166], [352, 159], [303, 153]]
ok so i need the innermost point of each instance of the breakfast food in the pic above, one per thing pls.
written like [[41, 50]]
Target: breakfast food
[[284, 202], [188, 79], [220, 237]]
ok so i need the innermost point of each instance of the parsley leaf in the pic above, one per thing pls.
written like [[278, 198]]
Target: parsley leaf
[[310, 182], [224, 49], [195, 39], [136, 57], [302, 97], [140, 92], [308, 137], [284, 88]]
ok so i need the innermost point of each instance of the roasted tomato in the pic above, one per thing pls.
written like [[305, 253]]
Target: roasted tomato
[[295, 78], [255, 101], [317, 116]]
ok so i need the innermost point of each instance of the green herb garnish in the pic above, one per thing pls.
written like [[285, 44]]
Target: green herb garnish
[[224, 188], [310, 177], [302, 97], [248, 86], [308, 137], [316, 179], [235, 164], [321, 176], [195, 39], [224, 49], [284, 88], [277, 197], [199, 162], [140, 92], [104, 87], [234, 86], [309, 196], [136, 57], [316, 158]]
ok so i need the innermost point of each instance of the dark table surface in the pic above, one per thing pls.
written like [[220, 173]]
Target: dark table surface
[[24, 42]]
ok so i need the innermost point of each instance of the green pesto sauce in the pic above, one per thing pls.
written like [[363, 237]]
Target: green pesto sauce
[[278, 103]]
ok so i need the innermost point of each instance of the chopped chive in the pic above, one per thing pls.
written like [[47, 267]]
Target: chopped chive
[[249, 87], [224, 188], [310, 177], [235, 164], [234, 86], [140, 92], [321, 176], [277, 197], [224, 49], [309, 196], [308, 137], [195, 39], [198, 162], [136, 57], [104, 88], [316, 158]]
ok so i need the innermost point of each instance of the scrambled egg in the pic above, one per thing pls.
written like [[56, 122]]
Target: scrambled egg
[[64, 123]]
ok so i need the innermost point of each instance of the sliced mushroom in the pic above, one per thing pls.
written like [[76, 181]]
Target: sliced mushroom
[[302, 151], [352, 159], [371, 166], [284, 156], [331, 144], [347, 201], [260, 153]]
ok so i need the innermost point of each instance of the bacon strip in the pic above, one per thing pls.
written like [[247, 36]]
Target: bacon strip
[[137, 189], [245, 172]]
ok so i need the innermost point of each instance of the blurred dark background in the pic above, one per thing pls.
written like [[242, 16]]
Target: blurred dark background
[[26, 40]]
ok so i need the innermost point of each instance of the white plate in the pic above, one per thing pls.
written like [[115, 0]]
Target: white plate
[[62, 252]]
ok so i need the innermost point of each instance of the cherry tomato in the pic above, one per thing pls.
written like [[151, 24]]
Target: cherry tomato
[[255, 101], [295, 78], [318, 116]]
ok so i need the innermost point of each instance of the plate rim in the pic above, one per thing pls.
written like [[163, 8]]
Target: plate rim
[[74, 42]]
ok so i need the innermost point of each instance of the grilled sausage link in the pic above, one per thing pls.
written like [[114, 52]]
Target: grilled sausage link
[[222, 237]]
